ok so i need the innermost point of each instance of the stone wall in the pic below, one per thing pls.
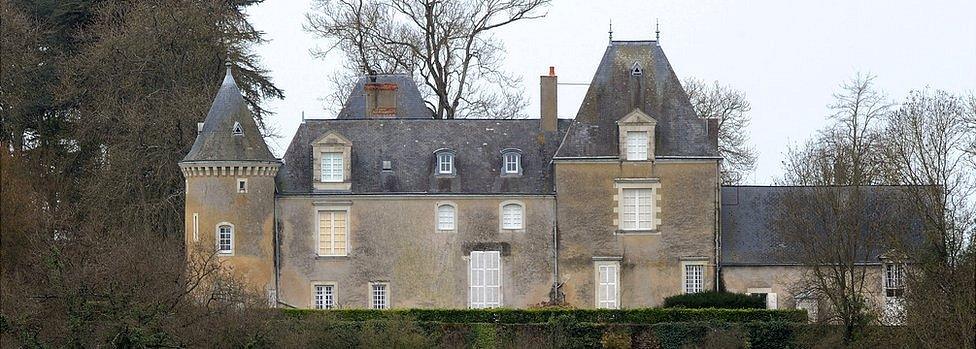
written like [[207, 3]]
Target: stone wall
[[394, 239]]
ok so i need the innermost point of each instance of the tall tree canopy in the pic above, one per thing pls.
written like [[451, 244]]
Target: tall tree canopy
[[731, 108], [99, 100], [448, 46]]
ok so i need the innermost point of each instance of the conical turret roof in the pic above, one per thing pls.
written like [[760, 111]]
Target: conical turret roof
[[229, 131]]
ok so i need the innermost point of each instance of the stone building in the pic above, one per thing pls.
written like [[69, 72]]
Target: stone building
[[385, 206]]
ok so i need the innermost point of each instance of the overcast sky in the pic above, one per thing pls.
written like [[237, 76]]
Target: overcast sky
[[788, 57]]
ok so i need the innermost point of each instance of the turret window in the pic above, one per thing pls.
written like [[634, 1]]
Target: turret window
[[241, 185], [225, 238]]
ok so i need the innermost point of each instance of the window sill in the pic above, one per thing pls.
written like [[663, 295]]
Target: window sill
[[638, 232], [519, 230], [445, 175], [321, 257], [445, 231]]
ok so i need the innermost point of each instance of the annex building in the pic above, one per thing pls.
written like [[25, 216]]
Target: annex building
[[386, 207]]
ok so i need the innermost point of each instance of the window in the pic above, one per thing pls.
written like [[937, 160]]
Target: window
[[894, 280], [332, 233], [484, 279], [607, 281], [636, 145], [636, 70], [637, 211], [323, 297], [241, 185], [766, 294], [445, 217], [238, 130], [445, 163], [225, 238], [511, 163], [512, 216], [332, 169], [808, 304], [379, 296], [694, 278], [196, 227]]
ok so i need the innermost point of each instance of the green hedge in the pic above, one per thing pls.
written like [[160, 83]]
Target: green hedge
[[532, 316], [723, 300]]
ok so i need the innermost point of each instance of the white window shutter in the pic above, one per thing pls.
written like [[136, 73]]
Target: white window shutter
[[770, 301]]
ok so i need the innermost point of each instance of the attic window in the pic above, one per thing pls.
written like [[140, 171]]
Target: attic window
[[380, 99], [387, 165], [238, 130], [636, 70]]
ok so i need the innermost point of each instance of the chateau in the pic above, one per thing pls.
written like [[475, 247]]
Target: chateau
[[386, 207]]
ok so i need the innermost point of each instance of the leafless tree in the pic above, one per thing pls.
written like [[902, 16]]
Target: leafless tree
[[930, 150], [731, 108], [830, 221], [447, 45]]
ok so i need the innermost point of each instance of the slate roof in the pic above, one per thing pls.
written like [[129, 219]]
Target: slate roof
[[217, 141], [410, 145], [410, 105], [748, 235], [614, 92]]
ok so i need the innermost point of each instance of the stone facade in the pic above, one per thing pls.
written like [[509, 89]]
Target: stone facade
[[619, 207]]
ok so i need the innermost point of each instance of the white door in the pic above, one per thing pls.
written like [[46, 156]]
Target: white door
[[484, 279]]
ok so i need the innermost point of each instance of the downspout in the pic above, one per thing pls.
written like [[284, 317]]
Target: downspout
[[718, 226], [277, 253]]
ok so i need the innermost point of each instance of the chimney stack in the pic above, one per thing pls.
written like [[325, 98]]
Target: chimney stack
[[547, 100]]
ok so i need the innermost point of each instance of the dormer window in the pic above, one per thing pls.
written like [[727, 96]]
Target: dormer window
[[445, 162], [636, 70], [238, 130], [511, 162], [636, 131], [637, 145], [331, 158], [332, 167]]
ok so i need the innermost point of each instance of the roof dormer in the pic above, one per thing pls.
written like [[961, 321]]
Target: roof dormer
[[636, 136]]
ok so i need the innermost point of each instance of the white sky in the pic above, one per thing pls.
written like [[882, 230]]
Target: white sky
[[788, 57]]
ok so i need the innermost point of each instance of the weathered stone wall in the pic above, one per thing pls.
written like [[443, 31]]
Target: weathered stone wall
[[785, 281], [394, 239], [215, 199], [650, 268]]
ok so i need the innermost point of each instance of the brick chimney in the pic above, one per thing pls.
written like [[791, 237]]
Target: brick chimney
[[547, 100]]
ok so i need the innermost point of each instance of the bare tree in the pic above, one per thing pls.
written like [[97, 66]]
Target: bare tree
[[930, 150], [831, 221], [447, 45], [730, 107]]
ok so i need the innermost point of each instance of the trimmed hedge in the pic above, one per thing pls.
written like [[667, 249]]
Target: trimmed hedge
[[723, 300], [545, 315]]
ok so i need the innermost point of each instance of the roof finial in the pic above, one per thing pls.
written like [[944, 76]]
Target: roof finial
[[657, 31], [611, 29], [227, 62]]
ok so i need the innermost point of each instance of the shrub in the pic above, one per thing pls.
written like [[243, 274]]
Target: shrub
[[531, 316], [720, 300]]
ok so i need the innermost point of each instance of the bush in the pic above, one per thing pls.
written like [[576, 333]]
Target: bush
[[537, 316], [720, 300]]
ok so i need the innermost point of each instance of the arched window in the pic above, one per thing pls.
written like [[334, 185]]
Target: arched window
[[445, 162], [446, 217], [225, 238], [511, 162], [512, 216]]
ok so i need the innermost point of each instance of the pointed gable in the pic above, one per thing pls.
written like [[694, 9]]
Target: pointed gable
[[636, 75], [229, 132]]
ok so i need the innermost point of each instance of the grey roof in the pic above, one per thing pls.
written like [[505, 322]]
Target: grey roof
[[410, 145], [217, 142], [614, 93], [748, 235], [410, 105]]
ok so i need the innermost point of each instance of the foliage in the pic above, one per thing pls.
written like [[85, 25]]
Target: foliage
[[721, 300], [448, 46], [524, 316], [731, 108]]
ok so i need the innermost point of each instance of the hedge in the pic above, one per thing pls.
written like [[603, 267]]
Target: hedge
[[545, 315], [724, 300]]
